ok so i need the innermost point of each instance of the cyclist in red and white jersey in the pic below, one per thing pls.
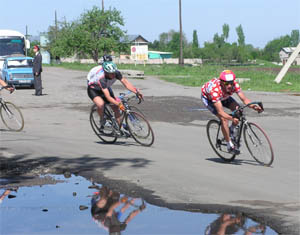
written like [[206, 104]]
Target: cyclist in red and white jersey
[[216, 94], [100, 79]]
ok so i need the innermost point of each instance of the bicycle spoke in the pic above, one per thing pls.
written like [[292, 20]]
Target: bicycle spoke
[[258, 144]]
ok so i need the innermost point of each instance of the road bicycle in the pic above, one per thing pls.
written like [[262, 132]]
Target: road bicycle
[[136, 124], [11, 115], [255, 138]]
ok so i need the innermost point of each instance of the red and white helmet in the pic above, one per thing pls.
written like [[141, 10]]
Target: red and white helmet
[[227, 76]]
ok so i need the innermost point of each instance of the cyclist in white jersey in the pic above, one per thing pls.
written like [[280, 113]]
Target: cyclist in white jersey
[[100, 79]]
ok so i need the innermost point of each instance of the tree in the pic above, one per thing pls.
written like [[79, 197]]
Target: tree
[[95, 33], [225, 31], [100, 31], [272, 49], [219, 40], [164, 39], [295, 39], [209, 51], [154, 45], [60, 39], [195, 40], [241, 36]]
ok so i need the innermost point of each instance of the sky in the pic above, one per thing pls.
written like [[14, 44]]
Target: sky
[[262, 20]]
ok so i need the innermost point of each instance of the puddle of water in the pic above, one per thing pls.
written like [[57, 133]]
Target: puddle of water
[[78, 207]]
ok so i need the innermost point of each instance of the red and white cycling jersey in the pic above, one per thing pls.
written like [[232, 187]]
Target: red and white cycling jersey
[[212, 90]]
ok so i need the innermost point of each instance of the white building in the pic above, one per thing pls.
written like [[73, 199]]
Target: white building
[[286, 52]]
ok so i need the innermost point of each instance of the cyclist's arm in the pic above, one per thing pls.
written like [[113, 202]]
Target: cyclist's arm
[[246, 101], [243, 98], [2, 83], [108, 97], [128, 85], [219, 107]]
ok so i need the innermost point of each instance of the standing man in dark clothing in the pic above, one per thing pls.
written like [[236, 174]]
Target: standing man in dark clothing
[[37, 70]]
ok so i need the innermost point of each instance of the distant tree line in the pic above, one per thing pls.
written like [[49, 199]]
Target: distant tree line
[[97, 32], [219, 50]]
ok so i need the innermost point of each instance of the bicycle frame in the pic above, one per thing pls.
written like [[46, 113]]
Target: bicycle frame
[[123, 114], [243, 121]]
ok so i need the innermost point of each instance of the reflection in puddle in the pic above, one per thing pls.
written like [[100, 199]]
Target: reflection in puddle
[[77, 207]]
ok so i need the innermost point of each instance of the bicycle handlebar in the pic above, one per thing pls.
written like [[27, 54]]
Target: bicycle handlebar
[[240, 109], [8, 86], [123, 95]]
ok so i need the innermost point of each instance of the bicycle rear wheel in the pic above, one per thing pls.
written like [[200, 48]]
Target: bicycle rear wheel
[[107, 134], [217, 141], [258, 144], [139, 128], [11, 116]]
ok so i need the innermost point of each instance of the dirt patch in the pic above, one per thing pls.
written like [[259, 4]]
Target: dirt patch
[[184, 110]]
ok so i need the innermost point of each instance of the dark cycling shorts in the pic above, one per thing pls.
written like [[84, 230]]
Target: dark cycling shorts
[[210, 105], [97, 91]]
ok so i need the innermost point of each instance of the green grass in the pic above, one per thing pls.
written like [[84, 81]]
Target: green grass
[[261, 76]]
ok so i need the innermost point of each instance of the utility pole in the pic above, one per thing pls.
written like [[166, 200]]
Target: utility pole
[[102, 5], [180, 26], [26, 35], [56, 26]]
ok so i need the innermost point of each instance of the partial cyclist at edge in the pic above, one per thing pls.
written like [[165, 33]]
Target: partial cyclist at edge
[[216, 94], [4, 84], [100, 79]]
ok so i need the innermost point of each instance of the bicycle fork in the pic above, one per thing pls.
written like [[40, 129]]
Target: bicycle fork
[[6, 109]]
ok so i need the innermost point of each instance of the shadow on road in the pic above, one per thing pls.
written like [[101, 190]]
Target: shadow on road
[[121, 143], [234, 162], [22, 164]]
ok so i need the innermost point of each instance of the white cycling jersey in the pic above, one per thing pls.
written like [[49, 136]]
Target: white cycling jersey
[[96, 77]]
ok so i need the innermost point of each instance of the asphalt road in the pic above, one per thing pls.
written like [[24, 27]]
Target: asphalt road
[[179, 171]]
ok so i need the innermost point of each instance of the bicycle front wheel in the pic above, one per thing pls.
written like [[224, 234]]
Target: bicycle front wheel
[[11, 116], [258, 144], [139, 128], [217, 141], [107, 134], [135, 109]]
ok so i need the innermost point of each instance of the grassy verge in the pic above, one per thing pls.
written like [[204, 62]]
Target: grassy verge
[[261, 76]]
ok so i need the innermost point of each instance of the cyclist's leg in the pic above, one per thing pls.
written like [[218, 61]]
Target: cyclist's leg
[[231, 104], [224, 122], [97, 97], [114, 107]]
